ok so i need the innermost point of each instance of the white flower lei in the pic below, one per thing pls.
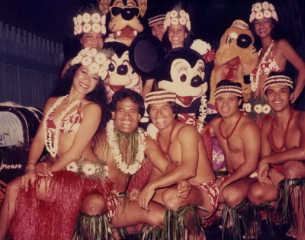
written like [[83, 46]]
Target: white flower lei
[[254, 82], [202, 113], [115, 150], [52, 144]]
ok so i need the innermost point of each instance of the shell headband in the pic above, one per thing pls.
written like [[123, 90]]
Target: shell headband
[[279, 79], [96, 61], [237, 91], [177, 16], [155, 19], [87, 22], [261, 10], [159, 97]]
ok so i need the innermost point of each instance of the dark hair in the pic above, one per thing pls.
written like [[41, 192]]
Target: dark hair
[[127, 93], [271, 74], [98, 95], [186, 43], [226, 82]]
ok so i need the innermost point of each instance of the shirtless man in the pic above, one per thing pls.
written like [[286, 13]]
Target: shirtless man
[[239, 139], [183, 146], [283, 152]]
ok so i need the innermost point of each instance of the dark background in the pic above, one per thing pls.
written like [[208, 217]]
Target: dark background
[[52, 19]]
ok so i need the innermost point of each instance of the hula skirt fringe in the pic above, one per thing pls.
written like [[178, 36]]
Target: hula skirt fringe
[[177, 222], [151, 233], [286, 189], [92, 227], [244, 217]]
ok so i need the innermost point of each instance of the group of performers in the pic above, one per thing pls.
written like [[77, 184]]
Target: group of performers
[[105, 177]]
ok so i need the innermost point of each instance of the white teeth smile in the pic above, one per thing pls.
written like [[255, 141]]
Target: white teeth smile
[[160, 120], [118, 33], [83, 85]]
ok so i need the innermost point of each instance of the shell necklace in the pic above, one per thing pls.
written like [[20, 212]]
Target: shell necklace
[[116, 154], [254, 82], [52, 144]]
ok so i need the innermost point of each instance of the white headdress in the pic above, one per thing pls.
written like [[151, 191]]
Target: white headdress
[[177, 16], [86, 22], [261, 10]]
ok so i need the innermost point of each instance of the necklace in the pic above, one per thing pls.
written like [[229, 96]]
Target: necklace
[[272, 143], [116, 153], [166, 152], [254, 82], [52, 143], [231, 133], [202, 113]]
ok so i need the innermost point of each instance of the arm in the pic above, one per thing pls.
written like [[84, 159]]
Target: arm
[[91, 119], [289, 53], [293, 154], [251, 141]]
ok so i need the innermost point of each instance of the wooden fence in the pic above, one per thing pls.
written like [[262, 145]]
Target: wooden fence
[[29, 66]]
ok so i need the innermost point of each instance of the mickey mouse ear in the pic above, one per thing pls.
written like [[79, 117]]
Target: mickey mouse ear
[[145, 52]]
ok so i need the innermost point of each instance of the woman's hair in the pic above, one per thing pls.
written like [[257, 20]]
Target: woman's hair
[[186, 43], [98, 95]]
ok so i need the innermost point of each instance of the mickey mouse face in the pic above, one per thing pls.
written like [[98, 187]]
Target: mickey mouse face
[[187, 81]]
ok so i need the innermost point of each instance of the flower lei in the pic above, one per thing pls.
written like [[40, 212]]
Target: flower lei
[[254, 82], [52, 144], [87, 22], [115, 150], [202, 113]]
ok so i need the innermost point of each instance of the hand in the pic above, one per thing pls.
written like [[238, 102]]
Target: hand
[[262, 172], [28, 177], [145, 196], [43, 169], [134, 194], [184, 188]]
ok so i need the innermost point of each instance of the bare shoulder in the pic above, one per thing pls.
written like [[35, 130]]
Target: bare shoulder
[[282, 44], [247, 124], [215, 122], [300, 116], [266, 125], [89, 106], [185, 129]]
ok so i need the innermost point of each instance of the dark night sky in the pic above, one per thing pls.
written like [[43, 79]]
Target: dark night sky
[[52, 19]]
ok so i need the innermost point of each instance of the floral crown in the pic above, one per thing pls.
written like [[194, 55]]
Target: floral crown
[[176, 16], [261, 10], [159, 97], [237, 91], [279, 79], [97, 61], [86, 22]]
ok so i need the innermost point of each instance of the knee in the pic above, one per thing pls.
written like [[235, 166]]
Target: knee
[[294, 169], [170, 199], [232, 196], [256, 194], [93, 204]]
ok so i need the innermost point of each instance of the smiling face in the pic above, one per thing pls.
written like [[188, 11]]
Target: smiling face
[[126, 116], [263, 27], [92, 40], [227, 104], [161, 115], [84, 81], [157, 30], [278, 97], [176, 35]]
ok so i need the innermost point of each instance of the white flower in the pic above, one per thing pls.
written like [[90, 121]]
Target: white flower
[[266, 109], [100, 58], [104, 30], [72, 167], [76, 60], [86, 61], [252, 17], [93, 68], [167, 22], [259, 15], [174, 21], [265, 5], [267, 14], [271, 7], [173, 13], [79, 19], [103, 73], [182, 21], [188, 25], [187, 16], [103, 20], [86, 28], [75, 21], [252, 9], [257, 7], [247, 107], [96, 27], [86, 17], [89, 168], [96, 17], [182, 13], [258, 108], [84, 52], [200, 46], [79, 29], [92, 52], [274, 15]]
